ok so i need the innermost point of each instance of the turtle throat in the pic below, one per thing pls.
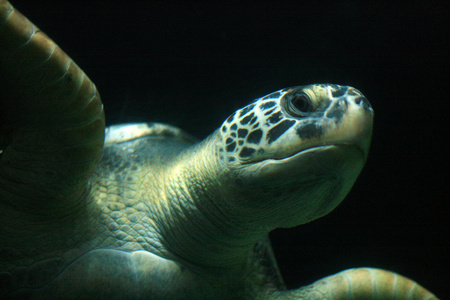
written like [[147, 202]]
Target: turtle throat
[[199, 224]]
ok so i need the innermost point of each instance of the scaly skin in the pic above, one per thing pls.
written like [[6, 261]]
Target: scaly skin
[[51, 138]]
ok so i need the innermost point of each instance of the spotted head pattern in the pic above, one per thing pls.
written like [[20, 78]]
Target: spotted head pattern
[[290, 120]]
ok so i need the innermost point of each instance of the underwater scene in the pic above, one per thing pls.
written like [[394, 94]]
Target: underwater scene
[[320, 126]]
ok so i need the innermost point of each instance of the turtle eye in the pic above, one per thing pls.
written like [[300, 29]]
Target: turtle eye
[[299, 105]]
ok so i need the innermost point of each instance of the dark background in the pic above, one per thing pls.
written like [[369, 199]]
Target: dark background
[[191, 64]]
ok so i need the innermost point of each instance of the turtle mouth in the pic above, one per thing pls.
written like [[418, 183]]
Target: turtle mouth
[[351, 147], [325, 158], [347, 148], [358, 150]]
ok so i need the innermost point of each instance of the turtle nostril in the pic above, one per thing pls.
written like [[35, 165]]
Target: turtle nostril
[[362, 101]]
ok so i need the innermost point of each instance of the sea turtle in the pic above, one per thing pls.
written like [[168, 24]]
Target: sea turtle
[[148, 212]]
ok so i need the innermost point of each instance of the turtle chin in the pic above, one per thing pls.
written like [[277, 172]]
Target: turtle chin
[[305, 186]]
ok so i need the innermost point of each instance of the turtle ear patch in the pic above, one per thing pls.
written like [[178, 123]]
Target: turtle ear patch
[[249, 130], [242, 140]]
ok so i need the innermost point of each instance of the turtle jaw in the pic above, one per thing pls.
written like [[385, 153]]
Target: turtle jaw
[[305, 186]]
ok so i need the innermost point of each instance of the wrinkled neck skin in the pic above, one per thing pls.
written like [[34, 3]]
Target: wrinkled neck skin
[[199, 223]]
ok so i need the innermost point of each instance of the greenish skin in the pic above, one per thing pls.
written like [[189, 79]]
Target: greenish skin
[[149, 212]]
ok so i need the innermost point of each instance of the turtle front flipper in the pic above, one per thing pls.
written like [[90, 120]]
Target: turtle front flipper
[[51, 120], [360, 283]]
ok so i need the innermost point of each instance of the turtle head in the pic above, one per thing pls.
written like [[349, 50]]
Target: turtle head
[[294, 154]]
